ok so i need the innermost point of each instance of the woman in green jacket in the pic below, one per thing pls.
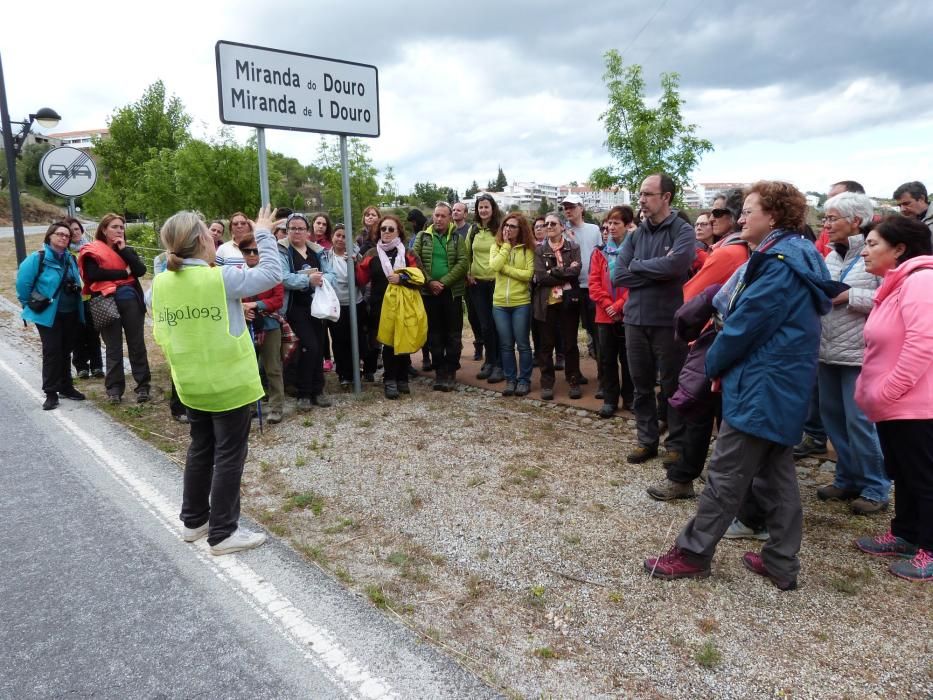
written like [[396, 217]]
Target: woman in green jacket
[[481, 281], [512, 259]]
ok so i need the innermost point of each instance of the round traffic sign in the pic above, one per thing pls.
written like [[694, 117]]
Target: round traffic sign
[[67, 171]]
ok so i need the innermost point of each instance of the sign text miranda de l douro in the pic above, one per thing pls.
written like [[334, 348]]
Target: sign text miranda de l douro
[[283, 90]]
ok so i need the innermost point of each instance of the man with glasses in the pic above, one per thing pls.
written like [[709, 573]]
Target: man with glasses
[[653, 264], [229, 253], [442, 252], [587, 236]]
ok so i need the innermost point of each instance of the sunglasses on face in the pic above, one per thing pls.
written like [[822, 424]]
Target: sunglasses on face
[[718, 213], [552, 224], [249, 251], [387, 229]]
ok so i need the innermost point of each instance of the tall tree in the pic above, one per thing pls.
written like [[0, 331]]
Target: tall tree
[[501, 182], [389, 192], [427, 194], [471, 190], [364, 189], [138, 132], [645, 139]]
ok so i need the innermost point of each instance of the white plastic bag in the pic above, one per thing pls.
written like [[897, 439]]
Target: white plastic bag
[[325, 304]]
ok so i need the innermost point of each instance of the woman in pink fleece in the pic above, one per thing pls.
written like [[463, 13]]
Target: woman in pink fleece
[[895, 388]]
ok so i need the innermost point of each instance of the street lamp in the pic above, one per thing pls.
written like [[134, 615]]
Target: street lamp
[[11, 147]]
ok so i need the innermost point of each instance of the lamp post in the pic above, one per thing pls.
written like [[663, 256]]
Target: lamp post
[[11, 147]]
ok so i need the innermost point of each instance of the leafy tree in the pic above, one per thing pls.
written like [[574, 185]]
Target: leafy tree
[[298, 203], [389, 192], [138, 132], [574, 183], [545, 207], [28, 168], [499, 184], [452, 196], [471, 191], [642, 139], [364, 189], [427, 194]]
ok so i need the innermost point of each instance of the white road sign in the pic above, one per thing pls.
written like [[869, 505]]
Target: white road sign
[[67, 171], [283, 90]]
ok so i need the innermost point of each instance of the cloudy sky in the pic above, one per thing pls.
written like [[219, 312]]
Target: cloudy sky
[[808, 91]]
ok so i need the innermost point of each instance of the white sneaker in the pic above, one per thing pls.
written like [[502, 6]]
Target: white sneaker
[[194, 534], [241, 539], [740, 531]]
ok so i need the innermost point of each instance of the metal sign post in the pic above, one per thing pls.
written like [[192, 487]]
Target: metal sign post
[[274, 89]]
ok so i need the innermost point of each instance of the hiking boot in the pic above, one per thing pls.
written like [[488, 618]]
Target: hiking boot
[[740, 531], [667, 490], [547, 394], [438, 383], [142, 395], [834, 493], [51, 401], [114, 398], [404, 388], [72, 393], [477, 352], [484, 372], [450, 384], [180, 417], [304, 404], [559, 363], [241, 539], [640, 454], [509, 389], [522, 389], [599, 394], [97, 373], [391, 390], [809, 446], [84, 374], [322, 400], [370, 377], [426, 366], [671, 457], [193, 534], [866, 506], [575, 392], [753, 562], [496, 376], [674, 565], [919, 568], [607, 410], [274, 417], [886, 545]]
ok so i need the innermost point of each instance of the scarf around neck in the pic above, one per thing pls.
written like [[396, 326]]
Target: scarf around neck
[[388, 267]]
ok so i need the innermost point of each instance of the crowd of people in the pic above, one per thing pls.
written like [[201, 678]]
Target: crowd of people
[[745, 322]]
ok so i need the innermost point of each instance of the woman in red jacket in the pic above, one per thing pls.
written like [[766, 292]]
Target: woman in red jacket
[[609, 300]]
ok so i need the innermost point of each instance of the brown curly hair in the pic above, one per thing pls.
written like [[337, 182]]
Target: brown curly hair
[[782, 201]]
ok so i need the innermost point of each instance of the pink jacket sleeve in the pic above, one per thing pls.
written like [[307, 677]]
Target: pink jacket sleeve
[[913, 363]]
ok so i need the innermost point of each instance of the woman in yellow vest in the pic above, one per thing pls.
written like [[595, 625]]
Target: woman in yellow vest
[[198, 320]]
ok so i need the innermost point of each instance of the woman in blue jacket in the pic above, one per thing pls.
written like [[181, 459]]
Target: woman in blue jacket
[[766, 358], [48, 286]]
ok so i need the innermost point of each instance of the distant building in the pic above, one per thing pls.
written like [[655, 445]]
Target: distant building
[[708, 191], [693, 199], [77, 139], [597, 200]]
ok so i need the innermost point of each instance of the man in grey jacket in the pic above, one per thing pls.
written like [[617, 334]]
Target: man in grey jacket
[[653, 265]]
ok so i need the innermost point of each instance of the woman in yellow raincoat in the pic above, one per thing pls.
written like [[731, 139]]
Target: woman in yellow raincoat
[[395, 305]]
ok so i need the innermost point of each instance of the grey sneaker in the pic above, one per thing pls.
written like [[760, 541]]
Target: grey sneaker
[[522, 389], [740, 531], [667, 490], [241, 539], [496, 376], [193, 534], [274, 417], [304, 404], [322, 400], [509, 389], [886, 545], [809, 446]]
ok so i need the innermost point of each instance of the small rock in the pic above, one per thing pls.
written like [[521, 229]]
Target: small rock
[[828, 466]]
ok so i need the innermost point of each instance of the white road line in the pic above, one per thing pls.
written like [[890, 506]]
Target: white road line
[[319, 645]]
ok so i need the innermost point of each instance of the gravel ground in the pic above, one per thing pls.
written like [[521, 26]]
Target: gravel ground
[[511, 534]]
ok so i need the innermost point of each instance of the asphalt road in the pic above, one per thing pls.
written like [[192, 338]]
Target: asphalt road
[[99, 596], [7, 231]]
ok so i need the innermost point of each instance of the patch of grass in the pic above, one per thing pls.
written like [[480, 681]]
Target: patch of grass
[[845, 586], [537, 494], [343, 525], [708, 625], [433, 634], [708, 656], [307, 423], [303, 500], [265, 467], [366, 423], [474, 586], [531, 473], [301, 461], [820, 635], [377, 596], [572, 538], [535, 596], [545, 653], [314, 553], [343, 576], [616, 597], [398, 558], [475, 481]]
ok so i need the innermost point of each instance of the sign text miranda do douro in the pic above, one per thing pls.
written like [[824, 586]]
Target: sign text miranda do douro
[[284, 90]]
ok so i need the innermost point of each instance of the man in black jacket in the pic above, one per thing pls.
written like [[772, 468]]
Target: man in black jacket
[[653, 265]]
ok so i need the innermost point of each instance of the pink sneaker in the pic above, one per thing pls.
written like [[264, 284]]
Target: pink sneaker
[[920, 568], [674, 565], [328, 366], [753, 562]]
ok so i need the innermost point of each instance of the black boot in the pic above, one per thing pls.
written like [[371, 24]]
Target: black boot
[[51, 401]]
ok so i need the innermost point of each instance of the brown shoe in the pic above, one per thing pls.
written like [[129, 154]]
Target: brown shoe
[[667, 490], [866, 506], [833, 493], [671, 457], [640, 454]]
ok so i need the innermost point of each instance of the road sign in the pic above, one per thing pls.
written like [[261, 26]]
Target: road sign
[[269, 88], [67, 171]]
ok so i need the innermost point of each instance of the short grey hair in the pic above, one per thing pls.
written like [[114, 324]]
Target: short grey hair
[[851, 204]]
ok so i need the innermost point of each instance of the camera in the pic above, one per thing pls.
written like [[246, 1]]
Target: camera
[[72, 287]]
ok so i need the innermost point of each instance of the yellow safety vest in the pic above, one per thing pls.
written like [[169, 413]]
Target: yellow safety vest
[[212, 370]]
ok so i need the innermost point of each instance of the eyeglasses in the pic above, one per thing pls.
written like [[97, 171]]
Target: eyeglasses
[[61, 233], [645, 195], [567, 206], [387, 229], [832, 219], [509, 227], [552, 224], [249, 251], [239, 223], [604, 229], [295, 229]]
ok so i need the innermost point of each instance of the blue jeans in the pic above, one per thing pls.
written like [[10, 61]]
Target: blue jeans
[[513, 325], [860, 464]]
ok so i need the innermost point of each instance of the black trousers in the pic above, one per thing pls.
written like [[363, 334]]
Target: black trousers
[[57, 343], [474, 320], [309, 363], [342, 337], [445, 331], [213, 471], [697, 433], [615, 379], [481, 295], [907, 446], [131, 324], [86, 354], [560, 322], [653, 350], [394, 367]]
